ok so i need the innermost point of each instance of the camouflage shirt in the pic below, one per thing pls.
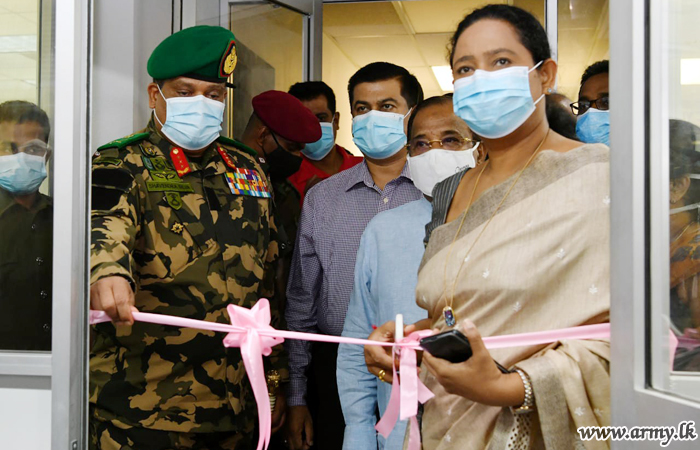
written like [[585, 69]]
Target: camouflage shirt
[[287, 199], [189, 246]]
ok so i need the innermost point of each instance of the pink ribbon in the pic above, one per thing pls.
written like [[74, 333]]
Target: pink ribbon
[[407, 392], [253, 346], [598, 331], [251, 331]]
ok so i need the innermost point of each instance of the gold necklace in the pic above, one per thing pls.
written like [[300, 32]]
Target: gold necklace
[[447, 311]]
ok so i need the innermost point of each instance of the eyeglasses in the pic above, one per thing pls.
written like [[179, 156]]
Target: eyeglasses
[[457, 142], [34, 147], [602, 104]]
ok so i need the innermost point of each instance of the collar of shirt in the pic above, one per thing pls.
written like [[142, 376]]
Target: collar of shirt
[[7, 201], [307, 169], [365, 177], [349, 160]]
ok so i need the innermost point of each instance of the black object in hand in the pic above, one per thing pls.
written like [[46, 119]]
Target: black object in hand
[[452, 346]]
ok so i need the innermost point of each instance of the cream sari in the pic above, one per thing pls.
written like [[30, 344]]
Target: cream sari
[[542, 264]]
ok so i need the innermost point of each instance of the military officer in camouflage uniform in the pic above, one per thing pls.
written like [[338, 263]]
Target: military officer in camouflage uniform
[[182, 224]]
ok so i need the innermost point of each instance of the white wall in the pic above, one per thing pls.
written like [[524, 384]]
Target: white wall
[[125, 34], [25, 419], [337, 70]]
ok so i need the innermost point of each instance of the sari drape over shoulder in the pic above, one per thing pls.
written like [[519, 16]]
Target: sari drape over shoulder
[[542, 264]]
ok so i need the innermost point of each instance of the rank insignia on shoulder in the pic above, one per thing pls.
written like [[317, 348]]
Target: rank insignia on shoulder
[[247, 182], [177, 228]]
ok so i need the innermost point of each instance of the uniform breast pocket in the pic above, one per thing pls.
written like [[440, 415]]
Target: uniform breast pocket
[[175, 238], [246, 221]]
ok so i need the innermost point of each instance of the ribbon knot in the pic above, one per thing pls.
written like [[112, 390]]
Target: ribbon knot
[[253, 346], [406, 393]]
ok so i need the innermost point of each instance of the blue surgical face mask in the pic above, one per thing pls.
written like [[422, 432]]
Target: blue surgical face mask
[[22, 173], [494, 104], [379, 134], [191, 122], [318, 150], [593, 127]]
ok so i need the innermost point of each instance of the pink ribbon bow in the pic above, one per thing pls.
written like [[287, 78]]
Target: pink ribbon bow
[[253, 346], [406, 394]]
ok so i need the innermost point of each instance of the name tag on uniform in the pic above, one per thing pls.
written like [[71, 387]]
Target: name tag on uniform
[[247, 182]]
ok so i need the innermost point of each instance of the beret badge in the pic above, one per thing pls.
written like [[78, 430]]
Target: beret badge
[[229, 60]]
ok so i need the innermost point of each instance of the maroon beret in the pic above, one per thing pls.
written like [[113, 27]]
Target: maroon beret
[[287, 116]]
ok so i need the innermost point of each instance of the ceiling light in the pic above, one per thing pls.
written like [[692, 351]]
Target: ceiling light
[[690, 71], [443, 74]]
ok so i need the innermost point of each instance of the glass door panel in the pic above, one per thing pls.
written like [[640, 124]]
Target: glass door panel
[[270, 46], [675, 177], [26, 211]]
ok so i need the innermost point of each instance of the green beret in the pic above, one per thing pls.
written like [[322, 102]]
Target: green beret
[[202, 52]]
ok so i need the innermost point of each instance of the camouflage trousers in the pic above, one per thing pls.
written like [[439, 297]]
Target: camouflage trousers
[[107, 436]]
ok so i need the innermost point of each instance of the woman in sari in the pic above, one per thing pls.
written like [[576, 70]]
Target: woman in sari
[[524, 248]]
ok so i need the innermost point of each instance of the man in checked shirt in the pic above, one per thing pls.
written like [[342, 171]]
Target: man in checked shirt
[[335, 213]]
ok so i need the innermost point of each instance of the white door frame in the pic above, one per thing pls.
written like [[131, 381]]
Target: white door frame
[[632, 78], [71, 230]]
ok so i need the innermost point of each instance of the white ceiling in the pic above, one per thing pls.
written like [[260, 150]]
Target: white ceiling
[[415, 34]]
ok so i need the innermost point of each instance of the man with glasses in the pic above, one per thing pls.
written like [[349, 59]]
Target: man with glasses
[[592, 107], [386, 270], [26, 225]]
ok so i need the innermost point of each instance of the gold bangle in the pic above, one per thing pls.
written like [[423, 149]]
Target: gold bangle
[[381, 375]]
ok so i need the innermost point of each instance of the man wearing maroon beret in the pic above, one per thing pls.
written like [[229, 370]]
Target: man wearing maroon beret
[[277, 131]]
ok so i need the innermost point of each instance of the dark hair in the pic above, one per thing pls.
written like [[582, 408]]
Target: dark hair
[[684, 157], [529, 29], [432, 101], [560, 118], [411, 89], [19, 111], [310, 90], [595, 69]]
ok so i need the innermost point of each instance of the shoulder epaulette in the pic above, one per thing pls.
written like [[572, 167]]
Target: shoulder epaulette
[[123, 142], [240, 146]]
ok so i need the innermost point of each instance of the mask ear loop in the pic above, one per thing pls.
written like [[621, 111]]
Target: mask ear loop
[[533, 68], [476, 153], [154, 110]]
